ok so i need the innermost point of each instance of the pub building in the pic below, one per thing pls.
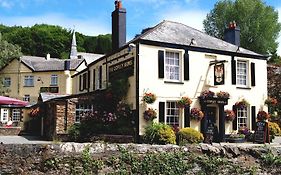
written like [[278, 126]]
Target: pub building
[[173, 60]]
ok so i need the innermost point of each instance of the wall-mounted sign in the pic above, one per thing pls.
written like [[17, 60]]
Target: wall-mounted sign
[[126, 67], [219, 74]]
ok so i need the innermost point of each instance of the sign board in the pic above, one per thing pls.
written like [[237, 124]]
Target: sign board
[[219, 74], [261, 132], [209, 134]]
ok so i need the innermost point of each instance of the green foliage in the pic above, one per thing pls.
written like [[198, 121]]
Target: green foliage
[[189, 135], [89, 164], [256, 35], [41, 39], [159, 133], [269, 159], [8, 51], [74, 132], [274, 129]]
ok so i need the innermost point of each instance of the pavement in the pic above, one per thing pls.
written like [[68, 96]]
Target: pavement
[[22, 140]]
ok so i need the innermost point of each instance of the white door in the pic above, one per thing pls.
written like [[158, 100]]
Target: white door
[[4, 115]]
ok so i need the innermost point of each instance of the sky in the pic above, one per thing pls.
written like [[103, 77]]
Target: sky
[[93, 17]]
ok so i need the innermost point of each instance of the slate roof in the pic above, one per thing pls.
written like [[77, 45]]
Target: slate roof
[[89, 57], [177, 33], [39, 64]]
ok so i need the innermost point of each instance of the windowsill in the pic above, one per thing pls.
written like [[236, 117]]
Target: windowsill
[[53, 85], [174, 82], [28, 86], [247, 88]]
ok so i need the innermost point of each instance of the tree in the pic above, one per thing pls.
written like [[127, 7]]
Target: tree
[[8, 51], [258, 23]]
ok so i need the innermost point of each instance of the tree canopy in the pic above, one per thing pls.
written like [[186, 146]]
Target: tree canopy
[[39, 40], [8, 51], [258, 23]]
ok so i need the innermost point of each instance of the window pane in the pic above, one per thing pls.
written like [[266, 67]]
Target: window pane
[[172, 66]]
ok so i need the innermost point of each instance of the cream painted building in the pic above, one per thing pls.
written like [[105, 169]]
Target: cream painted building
[[172, 61]]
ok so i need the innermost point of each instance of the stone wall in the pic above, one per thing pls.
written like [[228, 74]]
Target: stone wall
[[60, 116], [7, 131], [64, 158]]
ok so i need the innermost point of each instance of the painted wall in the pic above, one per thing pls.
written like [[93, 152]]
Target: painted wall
[[201, 78]]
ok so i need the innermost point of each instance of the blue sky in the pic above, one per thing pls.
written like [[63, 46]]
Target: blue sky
[[93, 17]]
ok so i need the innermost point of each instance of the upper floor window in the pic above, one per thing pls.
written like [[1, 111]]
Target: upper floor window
[[242, 73], [26, 98], [28, 80], [54, 80], [242, 117], [172, 111], [7, 82], [172, 66]]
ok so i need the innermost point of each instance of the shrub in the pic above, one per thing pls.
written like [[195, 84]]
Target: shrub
[[74, 132], [274, 129], [189, 135], [159, 133]]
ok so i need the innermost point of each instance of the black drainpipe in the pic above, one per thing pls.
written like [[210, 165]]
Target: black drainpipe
[[137, 95]]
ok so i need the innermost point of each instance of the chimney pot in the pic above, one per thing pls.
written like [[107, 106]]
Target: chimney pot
[[48, 56]]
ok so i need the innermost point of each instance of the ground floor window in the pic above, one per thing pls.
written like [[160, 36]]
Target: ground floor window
[[16, 115], [242, 117], [172, 111], [4, 115], [80, 111]]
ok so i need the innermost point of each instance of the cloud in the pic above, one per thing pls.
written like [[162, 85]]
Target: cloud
[[85, 26], [6, 4]]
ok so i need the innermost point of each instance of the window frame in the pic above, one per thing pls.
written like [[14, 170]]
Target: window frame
[[54, 80], [5, 115], [179, 66], [238, 62], [5, 84], [80, 109], [16, 118], [28, 78], [244, 116], [169, 115]]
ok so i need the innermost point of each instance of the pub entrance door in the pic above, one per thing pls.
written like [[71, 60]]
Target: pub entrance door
[[211, 117]]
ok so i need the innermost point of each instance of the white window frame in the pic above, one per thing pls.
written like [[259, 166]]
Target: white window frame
[[16, 115], [242, 76], [97, 84], [4, 115], [170, 62], [54, 80], [172, 114], [7, 82], [29, 81], [242, 117], [26, 98], [80, 110]]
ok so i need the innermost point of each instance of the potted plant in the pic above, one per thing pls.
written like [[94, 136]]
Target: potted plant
[[196, 114], [242, 104], [236, 138], [222, 94], [262, 116], [149, 98], [229, 115], [207, 94], [184, 102], [149, 114]]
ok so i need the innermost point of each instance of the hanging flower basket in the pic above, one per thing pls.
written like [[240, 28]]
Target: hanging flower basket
[[271, 101], [149, 114], [222, 94], [149, 98], [207, 94], [262, 116], [229, 115], [241, 104], [196, 114], [184, 102]]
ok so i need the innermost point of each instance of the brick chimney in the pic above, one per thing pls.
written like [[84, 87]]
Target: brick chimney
[[232, 34], [118, 26]]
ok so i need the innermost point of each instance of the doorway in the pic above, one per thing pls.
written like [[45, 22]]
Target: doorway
[[211, 118]]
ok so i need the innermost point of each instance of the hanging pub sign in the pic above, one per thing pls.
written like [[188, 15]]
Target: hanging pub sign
[[219, 74]]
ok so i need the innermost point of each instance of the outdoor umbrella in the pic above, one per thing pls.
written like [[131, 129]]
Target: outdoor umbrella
[[12, 101]]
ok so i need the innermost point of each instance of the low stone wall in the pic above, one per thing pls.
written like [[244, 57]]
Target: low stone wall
[[8, 131], [66, 158]]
